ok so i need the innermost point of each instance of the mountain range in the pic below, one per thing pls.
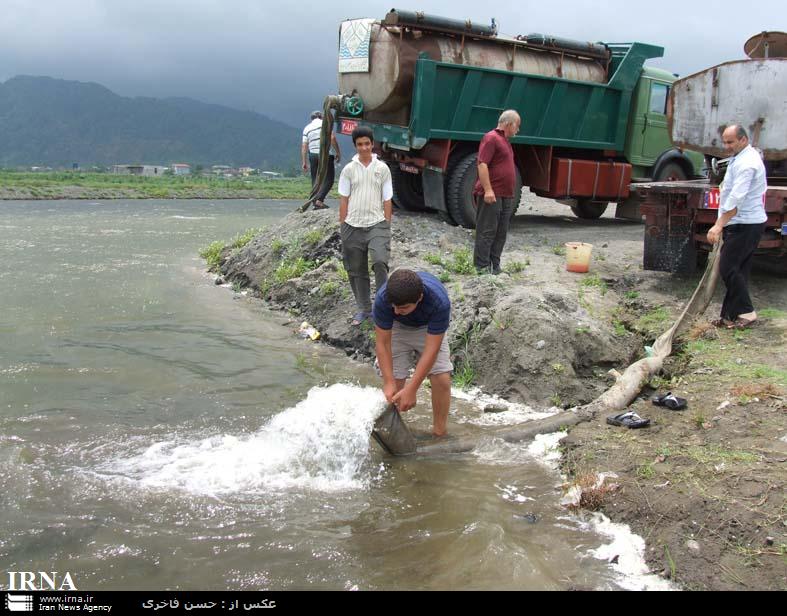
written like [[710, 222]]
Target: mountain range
[[54, 122]]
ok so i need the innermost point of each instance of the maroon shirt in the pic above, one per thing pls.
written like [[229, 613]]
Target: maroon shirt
[[497, 153]]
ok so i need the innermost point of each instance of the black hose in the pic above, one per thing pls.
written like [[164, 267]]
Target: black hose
[[331, 102]]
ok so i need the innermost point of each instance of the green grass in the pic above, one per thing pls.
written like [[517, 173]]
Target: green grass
[[240, 240], [464, 376], [444, 277], [289, 269], [723, 356], [714, 454], [461, 262], [212, 254], [593, 281], [329, 288], [654, 321], [559, 249], [312, 238], [52, 185], [433, 259], [514, 267], [772, 313], [277, 246], [631, 294], [619, 327]]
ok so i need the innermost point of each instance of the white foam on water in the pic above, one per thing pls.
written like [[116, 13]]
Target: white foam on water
[[179, 217], [513, 414], [320, 444], [630, 552]]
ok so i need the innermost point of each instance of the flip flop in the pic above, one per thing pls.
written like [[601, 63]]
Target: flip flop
[[628, 419], [721, 322], [360, 317], [671, 401], [741, 323]]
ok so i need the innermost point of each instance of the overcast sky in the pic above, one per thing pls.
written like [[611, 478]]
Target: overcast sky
[[279, 58]]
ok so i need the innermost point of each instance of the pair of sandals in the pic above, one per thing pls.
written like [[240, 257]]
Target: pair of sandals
[[739, 323], [630, 419]]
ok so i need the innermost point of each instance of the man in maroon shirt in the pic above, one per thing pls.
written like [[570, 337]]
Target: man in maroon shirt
[[494, 193]]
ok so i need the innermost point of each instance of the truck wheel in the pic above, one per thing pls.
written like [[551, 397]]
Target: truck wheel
[[459, 196], [408, 190], [587, 209], [671, 172], [459, 192]]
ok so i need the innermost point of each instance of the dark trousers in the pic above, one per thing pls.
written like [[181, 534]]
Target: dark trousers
[[358, 244], [491, 229], [740, 241], [314, 163]]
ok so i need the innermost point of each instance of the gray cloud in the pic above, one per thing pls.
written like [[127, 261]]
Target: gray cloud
[[279, 58]]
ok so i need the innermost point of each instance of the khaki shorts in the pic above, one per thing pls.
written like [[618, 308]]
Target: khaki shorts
[[407, 344]]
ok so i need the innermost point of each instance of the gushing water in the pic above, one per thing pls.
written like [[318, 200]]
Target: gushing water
[[320, 444]]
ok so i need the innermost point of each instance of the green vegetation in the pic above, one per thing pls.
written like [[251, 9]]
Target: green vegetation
[[79, 185], [312, 238], [558, 368], [329, 288], [559, 249], [444, 277], [464, 376], [631, 294], [240, 240], [289, 269], [433, 259], [654, 321], [277, 246], [212, 254], [514, 267], [594, 281], [772, 313], [619, 327], [461, 262]]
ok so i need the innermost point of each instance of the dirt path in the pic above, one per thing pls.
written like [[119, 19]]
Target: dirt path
[[704, 486]]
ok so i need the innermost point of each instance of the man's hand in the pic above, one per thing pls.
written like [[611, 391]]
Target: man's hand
[[389, 391], [714, 233], [304, 166], [489, 196], [338, 158], [405, 399]]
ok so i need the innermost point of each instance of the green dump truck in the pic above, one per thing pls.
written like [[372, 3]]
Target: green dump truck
[[593, 116]]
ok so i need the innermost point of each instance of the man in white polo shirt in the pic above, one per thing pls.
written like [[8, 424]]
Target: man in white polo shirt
[[741, 223], [365, 210]]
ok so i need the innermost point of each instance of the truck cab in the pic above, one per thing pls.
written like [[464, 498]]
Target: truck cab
[[648, 146]]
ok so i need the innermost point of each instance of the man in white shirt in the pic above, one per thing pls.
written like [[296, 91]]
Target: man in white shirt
[[365, 210], [311, 146], [741, 223]]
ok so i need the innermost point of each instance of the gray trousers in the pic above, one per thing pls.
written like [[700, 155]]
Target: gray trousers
[[491, 230], [358, 244]]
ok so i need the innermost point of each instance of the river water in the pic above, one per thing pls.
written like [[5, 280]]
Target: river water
[[160, 432]]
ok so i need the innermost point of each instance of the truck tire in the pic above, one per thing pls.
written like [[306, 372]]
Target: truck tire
[[670, 172], [408, 190], [588, 209], [459, 194]]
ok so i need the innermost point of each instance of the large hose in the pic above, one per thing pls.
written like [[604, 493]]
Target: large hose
[[620, 395], [331, 102]]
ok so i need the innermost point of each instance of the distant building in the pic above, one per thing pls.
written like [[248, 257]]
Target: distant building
[[181, 169], [148, 170], [246, 171], [270, 174]]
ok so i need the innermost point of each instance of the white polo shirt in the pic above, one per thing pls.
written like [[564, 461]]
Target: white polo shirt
[[744, 188], [368, 188]]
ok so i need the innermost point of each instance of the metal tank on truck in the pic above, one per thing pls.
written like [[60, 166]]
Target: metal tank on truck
[[593, 117], [752, 93]]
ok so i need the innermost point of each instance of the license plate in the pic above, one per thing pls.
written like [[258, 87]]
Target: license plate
[[784, 228], [348, 126], [409, 168], [711, 201]]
